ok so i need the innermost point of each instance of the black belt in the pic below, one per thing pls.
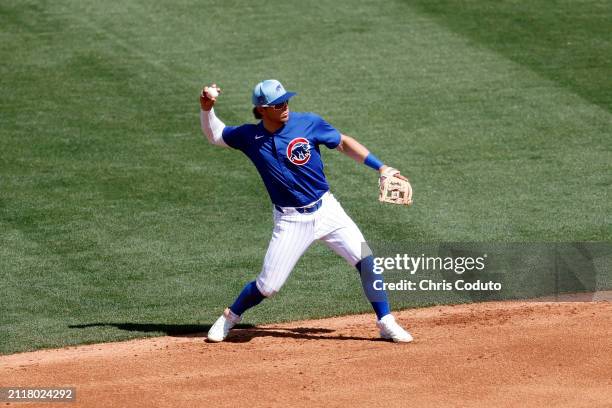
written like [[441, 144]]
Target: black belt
[[303, 210]]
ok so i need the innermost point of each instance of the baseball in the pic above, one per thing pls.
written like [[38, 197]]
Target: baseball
[[212, 92]]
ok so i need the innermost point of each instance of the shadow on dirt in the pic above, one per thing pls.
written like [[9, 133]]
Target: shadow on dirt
[[242, 333]]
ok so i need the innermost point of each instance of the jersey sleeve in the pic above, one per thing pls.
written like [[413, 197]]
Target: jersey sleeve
[[324, 133], [233, 136]]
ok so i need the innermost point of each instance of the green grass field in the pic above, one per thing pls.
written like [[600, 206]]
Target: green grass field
[[118, 220]]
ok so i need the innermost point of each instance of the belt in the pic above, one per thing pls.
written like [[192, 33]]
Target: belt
[[302, 210]]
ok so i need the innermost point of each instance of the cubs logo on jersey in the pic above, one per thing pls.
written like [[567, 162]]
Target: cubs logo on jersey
[[298, 151]]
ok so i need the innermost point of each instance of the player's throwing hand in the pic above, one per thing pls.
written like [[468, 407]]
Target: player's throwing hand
[[208, 96]]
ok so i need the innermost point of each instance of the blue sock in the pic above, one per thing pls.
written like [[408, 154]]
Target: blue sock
[[378, 298], [249, 297]]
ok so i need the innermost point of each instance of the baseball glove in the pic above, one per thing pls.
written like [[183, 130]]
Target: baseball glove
[[394, 189]]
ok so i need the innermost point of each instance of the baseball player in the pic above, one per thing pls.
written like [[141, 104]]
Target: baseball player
[[285, 148]]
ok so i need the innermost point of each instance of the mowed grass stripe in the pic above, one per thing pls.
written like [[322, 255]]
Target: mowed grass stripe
[[115, 207], [565, 41]]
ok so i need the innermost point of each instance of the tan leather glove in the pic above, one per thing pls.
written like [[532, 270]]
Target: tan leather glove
[[393, 189]]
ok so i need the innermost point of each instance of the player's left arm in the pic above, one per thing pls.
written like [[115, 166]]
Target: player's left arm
[[358, 152]]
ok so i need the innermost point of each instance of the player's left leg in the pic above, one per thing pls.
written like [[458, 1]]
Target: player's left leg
[[341, 234], [348, 242]]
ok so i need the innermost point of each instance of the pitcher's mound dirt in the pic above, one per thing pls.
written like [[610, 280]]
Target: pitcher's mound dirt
[[478, 355]]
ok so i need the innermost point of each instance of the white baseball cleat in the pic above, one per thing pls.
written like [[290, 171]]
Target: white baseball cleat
[[219, 331], [390, 329]]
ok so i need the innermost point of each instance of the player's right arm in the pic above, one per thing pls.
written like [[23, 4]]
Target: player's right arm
[[212, 127]]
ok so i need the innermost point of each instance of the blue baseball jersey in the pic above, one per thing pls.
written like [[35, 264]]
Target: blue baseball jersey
[[288, 160]]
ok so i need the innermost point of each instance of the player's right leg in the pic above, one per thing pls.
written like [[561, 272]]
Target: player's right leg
[[291, 237]]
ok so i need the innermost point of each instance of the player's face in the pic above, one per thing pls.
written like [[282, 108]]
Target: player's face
[[277, 113]]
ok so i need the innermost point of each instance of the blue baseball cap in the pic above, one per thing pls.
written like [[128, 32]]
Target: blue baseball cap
[[270, 92]]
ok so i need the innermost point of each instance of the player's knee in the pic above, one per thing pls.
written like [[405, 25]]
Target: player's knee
[[365, 265], [269, 292], [266, 290]]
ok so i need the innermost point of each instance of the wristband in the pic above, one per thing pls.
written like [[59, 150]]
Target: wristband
[[373, 162]]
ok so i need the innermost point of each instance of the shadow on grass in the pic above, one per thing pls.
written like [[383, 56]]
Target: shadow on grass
[[241, 333]]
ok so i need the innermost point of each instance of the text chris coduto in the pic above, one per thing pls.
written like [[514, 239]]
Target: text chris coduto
[[413, 265]]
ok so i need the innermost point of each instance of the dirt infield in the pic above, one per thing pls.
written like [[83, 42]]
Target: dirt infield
[[477, 355]]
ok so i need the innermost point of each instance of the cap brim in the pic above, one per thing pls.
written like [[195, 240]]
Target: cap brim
[[284, 98]]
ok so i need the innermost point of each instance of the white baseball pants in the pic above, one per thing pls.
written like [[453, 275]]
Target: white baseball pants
[[294, 232]]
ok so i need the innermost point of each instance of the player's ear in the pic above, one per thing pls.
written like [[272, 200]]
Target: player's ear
[[258, 112]]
